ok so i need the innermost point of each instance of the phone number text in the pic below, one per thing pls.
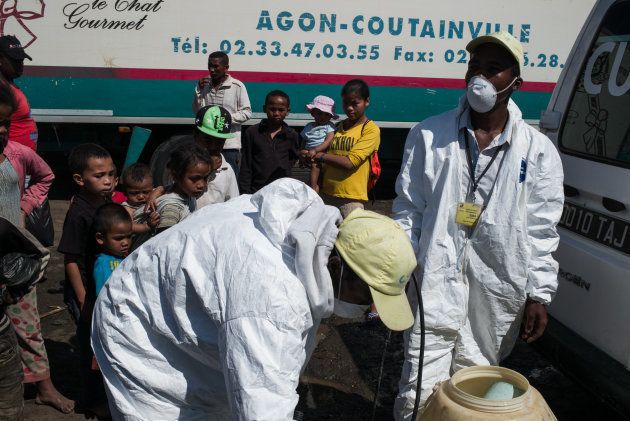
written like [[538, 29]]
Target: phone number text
[[301, 49], [343, 51]]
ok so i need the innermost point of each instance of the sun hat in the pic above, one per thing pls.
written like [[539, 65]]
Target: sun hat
[[502, 38], [380, 253], [324, 104], [10, 46], [214, 121]]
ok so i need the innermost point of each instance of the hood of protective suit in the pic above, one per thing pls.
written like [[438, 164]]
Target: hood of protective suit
[[291, 216], [215, 317]]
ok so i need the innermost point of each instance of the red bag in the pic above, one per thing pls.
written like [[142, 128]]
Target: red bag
[[375, 170], [375, 166]]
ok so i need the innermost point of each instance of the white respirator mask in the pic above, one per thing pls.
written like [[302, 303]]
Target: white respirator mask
[[482, 95], [345, 309]]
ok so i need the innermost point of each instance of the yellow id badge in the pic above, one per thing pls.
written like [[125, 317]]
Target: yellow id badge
[[468, 213]]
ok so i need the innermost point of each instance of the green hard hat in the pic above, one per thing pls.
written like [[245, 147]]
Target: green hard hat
[[214, 121]]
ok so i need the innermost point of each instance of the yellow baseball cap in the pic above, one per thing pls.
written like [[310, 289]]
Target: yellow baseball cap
[[502, 38], [380, 253]]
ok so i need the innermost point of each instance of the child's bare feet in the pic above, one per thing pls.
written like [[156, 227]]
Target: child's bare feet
[[47, 394]]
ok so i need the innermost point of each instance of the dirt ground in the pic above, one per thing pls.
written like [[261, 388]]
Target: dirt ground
[[341, 379]]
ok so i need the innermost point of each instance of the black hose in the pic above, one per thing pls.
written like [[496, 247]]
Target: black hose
[[380, 374], [421, 353]]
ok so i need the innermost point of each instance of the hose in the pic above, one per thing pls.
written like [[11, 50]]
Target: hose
[[421, 353], [380, 374]]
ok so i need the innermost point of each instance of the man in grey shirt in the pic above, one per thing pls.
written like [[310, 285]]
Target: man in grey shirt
[[222, 89]]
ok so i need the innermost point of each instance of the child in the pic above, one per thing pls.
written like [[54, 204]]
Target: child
[[269, 148], [138, 184], [211, 130], [346, 162], [112, 227], [93, 171], [319, 131], [190, 166], [117, 196]]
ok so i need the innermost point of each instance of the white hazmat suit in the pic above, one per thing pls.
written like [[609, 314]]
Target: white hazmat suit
[[474, 285], [215, 318]]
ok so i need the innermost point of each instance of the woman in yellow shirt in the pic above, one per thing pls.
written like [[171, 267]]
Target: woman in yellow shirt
[[346, 161]]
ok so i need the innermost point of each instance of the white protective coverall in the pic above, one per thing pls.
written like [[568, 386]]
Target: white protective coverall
[[214, 318], [474, 287]]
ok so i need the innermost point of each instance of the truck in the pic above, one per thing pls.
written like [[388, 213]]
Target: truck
[[102, 66], [587, 118]]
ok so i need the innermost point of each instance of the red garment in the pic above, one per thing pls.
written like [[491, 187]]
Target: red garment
[[23, 128], [118, 197], [26, 162]]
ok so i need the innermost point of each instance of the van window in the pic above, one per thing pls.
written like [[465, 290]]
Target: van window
[[597, 124]]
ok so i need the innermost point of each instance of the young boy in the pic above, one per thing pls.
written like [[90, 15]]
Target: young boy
[[270, 147], [138, 185], [94, 173], [112, 227]]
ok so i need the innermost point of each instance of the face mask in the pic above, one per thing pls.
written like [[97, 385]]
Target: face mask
[[482, 95], [348, 310]]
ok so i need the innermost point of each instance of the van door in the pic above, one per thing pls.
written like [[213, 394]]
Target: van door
[[592, 102]]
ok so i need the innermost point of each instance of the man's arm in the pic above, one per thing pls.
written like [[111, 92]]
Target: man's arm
[[261, 363], [243, 106], [199, 98], [544, 209], [408, 207]]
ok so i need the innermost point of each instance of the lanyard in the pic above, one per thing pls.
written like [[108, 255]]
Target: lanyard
[[471, 169]]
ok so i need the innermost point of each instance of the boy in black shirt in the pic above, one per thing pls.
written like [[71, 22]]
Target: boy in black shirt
[[94, 172], [270, 147]]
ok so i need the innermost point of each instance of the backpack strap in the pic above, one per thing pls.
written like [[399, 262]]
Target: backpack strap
[[363, 128]]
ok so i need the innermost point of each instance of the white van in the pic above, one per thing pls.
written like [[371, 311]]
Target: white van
[[588, 118]]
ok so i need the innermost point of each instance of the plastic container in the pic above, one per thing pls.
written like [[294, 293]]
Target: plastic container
[[461, 398]]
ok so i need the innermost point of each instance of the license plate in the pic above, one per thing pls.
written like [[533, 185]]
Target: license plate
[[604, 229]]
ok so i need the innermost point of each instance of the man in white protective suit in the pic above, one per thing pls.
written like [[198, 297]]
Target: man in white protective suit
[[479, 193], [215, 318]]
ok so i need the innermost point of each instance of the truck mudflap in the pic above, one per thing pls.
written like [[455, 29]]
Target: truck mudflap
[[605, 377]]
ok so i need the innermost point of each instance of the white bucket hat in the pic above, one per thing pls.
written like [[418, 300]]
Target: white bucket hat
[[324, 104]]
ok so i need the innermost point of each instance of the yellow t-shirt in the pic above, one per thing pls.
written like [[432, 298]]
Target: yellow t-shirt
[[351, 184]]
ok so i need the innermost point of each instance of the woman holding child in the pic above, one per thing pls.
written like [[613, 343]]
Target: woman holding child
[[345, 159]]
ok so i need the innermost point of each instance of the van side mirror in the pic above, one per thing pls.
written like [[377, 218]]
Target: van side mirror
[[550, 120]]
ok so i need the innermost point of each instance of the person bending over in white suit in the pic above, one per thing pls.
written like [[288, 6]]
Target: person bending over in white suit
[[479, 193], [215, 318]]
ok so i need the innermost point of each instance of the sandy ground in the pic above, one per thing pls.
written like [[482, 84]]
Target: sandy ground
[[341, 379]]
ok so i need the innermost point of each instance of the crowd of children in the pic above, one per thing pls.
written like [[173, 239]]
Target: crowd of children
[[104, 224]]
